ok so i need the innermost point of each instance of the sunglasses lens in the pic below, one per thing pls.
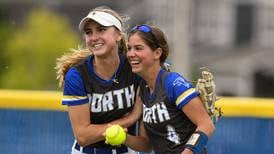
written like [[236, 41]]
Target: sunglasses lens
[[144, 28]]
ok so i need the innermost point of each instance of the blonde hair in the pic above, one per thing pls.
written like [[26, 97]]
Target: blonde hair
[[66, 61]]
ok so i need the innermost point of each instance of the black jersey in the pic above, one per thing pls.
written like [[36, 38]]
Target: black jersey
[[167, 126], [109, 100]]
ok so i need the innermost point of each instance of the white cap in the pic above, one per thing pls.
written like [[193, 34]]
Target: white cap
[[102, 18]]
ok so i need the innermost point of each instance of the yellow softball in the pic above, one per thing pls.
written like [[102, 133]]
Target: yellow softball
[[115, 135]]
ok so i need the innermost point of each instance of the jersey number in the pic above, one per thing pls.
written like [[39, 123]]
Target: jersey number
[[172, 135]]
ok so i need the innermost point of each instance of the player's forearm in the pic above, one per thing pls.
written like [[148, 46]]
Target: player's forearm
[[90, 134], [207, 127], [132, 117], [93, 133], [138, 143], [125, 121]]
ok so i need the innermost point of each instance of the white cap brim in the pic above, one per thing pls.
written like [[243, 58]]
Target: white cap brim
[[103, 18]]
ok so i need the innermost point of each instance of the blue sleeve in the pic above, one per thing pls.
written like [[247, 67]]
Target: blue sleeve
[[74, 90], [179, 90]]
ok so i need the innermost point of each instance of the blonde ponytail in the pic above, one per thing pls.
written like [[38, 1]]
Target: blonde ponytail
[[65, 62]]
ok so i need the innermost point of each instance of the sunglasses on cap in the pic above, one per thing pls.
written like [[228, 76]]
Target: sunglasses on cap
[[145, 29]]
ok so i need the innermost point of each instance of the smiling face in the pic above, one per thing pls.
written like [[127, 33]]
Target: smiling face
[[142, 58], [101, 40]]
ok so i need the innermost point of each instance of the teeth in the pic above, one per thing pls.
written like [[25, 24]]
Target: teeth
[[96, 46], [134, 62]]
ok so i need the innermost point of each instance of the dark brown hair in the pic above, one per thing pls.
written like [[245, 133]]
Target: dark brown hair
[[154, 39]]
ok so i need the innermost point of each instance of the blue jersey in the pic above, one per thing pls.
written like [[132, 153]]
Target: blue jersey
[[104, 96], [166, 124], [109, 99]]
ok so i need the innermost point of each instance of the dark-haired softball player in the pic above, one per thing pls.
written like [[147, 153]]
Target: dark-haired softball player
[[174, 118]]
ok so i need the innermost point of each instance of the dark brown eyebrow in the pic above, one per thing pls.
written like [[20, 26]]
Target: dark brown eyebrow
[[138, 46]]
